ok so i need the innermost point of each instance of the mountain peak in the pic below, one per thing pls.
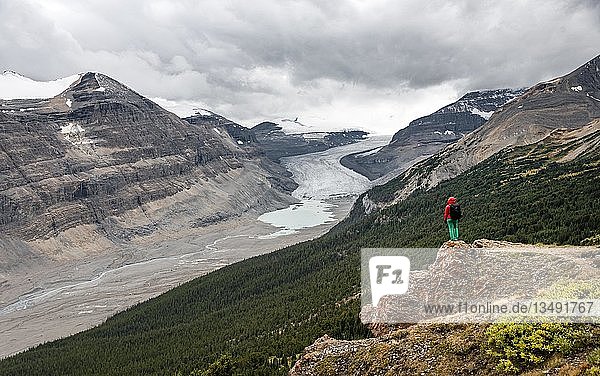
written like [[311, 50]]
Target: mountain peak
[[585, 79], [98, 87], [12, 73], [97, 82]]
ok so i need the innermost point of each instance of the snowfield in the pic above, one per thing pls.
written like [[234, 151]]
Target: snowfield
[[15, 86], [295, 126], [182, 109], [486, 115]]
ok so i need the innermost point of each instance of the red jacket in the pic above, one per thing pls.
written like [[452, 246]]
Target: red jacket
[[451, 201]]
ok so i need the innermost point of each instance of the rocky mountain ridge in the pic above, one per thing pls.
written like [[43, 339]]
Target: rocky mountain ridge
[[277, 141], [99, 149], [428, 134], [565, 103]]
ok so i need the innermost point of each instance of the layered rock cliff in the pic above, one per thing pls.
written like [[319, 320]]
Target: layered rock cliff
[[99, 149]]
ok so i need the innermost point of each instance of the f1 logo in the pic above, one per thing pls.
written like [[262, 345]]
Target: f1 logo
[[389, 276]]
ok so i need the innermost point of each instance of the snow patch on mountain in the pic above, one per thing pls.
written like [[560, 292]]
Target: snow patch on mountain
[[16, 86], [182, 109], [75, 134], [484, 114], [591, 96], [481, 102], [295, 126], [576, 88]]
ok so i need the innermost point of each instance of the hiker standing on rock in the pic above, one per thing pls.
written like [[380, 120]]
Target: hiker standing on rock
[[451, 216]]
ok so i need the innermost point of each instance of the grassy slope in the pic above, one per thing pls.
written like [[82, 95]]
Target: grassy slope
[[265, 310]]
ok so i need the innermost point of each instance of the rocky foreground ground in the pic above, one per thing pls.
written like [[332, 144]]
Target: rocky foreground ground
[[458, 349]]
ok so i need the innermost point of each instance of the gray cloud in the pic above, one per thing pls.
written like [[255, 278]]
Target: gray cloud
[[374, 63]]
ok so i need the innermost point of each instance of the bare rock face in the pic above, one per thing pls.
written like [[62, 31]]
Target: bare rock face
[[97, 150], [428, 134]]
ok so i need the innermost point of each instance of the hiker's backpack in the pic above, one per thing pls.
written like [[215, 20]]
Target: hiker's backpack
[[455, 211]]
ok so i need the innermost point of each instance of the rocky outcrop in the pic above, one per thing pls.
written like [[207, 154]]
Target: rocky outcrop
[[445, 348], [99, 149], [427, 135], [486, 271], [243, 136], [417, 350]]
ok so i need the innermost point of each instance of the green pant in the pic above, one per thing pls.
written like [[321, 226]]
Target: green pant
[[453, 228]]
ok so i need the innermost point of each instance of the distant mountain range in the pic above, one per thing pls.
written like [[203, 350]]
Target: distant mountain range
[[284, 138], [428, 134]]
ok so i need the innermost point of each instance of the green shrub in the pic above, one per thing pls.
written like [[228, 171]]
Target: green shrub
[[518, 346], [594, 371], [594, 357]]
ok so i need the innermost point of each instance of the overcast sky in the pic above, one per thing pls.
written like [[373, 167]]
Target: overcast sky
[[374, 64]]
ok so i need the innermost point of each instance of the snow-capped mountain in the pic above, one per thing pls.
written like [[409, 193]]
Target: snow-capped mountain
[[565, 110], [279, 138], [428, 134], [293, 126], [481, 103]]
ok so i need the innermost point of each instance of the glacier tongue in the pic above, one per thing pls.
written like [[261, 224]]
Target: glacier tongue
[[320, 178]]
